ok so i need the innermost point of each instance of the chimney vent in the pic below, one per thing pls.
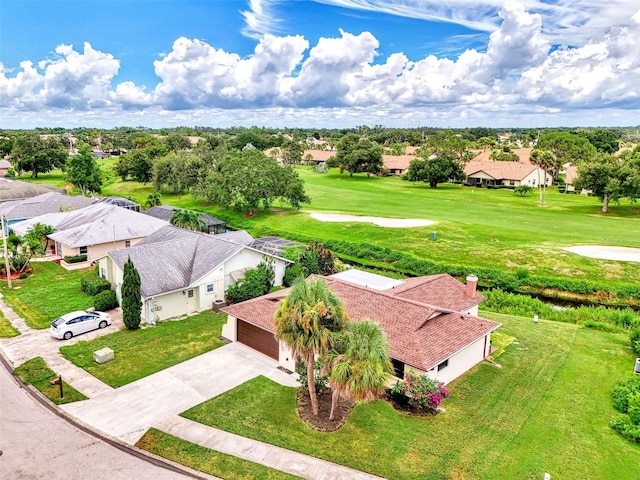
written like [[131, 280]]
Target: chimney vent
[[472, 283]]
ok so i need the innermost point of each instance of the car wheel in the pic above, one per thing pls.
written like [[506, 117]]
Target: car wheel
[[102, 324], [67, 335]]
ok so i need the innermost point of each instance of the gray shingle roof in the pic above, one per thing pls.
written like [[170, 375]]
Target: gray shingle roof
[[49, 202], [93, 225], [18, 190], [174, 258]]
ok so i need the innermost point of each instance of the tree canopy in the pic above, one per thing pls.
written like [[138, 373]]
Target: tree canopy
[[35, 154], [248, 180], [567, 147], [434, 170], [359, 155], [84, 172]]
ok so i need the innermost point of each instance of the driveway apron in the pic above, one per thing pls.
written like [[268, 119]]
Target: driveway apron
[[127, 412]]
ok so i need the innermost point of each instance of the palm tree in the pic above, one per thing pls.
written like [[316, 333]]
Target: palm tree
[[41, 231], [154, 199], [545, 160], [186, 219], [359, 364], [307, 321]]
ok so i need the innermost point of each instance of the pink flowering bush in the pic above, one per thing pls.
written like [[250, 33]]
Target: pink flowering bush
[[420, 391]]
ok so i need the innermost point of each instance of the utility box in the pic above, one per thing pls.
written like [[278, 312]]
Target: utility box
[[637, 366], [103, 355]]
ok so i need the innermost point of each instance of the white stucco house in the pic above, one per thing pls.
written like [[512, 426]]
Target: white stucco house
[[183, 272], [431, 322], [496, 172], [94, 229]]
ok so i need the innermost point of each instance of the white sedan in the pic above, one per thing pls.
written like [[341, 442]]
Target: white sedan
[[75, 323]]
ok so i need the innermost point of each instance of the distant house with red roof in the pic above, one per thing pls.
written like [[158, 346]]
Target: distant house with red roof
[[431, 322], [482, 170]]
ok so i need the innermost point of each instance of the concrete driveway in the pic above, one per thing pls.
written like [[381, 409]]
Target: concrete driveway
[[127, 412]]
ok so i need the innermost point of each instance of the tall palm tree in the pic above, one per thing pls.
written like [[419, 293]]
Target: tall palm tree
[[359, 364], [41, 232], [186, 219], [307, 321], [545, 160]]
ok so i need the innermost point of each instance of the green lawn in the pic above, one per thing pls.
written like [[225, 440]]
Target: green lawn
[[6, 329], [546, 410], [50, 291], [37, 373], [205, 460], [475, 227], [139, 353]]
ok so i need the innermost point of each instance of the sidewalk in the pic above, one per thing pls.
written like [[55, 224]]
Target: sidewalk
[[157, 399]]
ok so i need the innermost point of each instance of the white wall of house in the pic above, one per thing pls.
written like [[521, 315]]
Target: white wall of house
[[246, 259], [459, 363], [211, 288], [472, 311], [170, 305], [534, 180]]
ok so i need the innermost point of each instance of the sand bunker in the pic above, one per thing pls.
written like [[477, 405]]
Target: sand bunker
[[380, 221], [624, 254]]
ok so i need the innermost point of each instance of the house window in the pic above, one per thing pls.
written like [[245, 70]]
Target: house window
[[84, 250], [443, 365], [103, 272], [210, 288], [398, 368], [127, 243], [190, 294]]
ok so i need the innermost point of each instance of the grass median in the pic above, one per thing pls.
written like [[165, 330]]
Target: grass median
[[37, 373], [142, 352]]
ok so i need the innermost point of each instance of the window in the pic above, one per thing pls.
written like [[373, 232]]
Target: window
[[443, 365], [84, 250], [127, 243], [398, 368], [209, 288], [190, 294], [103, 272]]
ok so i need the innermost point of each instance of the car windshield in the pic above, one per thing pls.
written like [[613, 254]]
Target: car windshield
[[58, 321]]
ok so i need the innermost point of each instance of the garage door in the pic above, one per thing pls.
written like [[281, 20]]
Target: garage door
[[258, 339]]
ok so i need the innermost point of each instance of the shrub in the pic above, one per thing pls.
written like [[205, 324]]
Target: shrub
[[92, 284], [626, 428], [75, 258], [256, 282], [635, 340], [420, 391], [623, 392], [22, 276], [105, 300], [293, 271], [131, 300], [322, 381]]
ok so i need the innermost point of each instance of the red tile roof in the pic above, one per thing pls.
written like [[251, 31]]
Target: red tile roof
[[420, 335], [397, 162], [442, 290]]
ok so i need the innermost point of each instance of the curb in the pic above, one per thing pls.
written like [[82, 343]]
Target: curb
[[114, 442]]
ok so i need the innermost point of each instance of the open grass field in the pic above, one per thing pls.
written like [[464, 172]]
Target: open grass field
[[50, 291], [475, 227], [141, 352], [546, 410], [205, 460]]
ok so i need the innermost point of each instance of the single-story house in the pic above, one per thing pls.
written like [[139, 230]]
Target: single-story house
[[442, 340], [209, 224], [51, 202], [94, 230], [182, 271], [19, 190], [496, 172], [315, 157], [570, 175], [5, 165], [397, 164]]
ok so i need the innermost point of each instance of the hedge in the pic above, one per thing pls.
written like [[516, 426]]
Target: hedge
[[105, 300], [488, 277], [92, 284], [75, 258]]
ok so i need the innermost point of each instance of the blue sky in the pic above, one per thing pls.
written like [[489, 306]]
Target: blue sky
[[326, 63]]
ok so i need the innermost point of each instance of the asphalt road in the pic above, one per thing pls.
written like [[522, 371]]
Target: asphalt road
[[37, 444]]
